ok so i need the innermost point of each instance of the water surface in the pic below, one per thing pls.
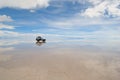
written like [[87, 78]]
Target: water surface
[[58, 61]]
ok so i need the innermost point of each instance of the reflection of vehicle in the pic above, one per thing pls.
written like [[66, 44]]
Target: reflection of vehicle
[[39, 43], [40, 39]]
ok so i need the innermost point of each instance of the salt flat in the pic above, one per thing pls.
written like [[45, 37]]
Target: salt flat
[[59, 63]]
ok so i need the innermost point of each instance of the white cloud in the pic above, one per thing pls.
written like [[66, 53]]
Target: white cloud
[[5, 18], [78, 21], [3, 26], [61, 24], [103, 8], [12, 38], [98, 8], [99, 12], [104, 37], [4, 33], [96, 2], [24, 4]]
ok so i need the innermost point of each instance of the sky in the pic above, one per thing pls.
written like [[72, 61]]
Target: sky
[[90, 22]]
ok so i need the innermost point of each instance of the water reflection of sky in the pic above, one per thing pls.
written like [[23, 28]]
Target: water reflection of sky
[[28, 60], [62, 41], [11, 44]]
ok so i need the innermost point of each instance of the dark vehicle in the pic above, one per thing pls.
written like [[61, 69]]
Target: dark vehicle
[[40, 39]]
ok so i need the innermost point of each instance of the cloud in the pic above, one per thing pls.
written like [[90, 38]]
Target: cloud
[[77, 21], [9, 38], [104, 37], [60, 24], [93, 16], [13, 38], [24, 4], [5, 18], [96, 13], [3, 26], [103, 8], [5, 33]]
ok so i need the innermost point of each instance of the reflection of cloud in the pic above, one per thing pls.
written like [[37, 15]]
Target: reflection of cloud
[[5, 57], [17, 38], [63, 64], [6, 49], [104, 37], [8, 42]]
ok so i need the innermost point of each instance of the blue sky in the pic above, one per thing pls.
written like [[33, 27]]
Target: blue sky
[[94, 22]]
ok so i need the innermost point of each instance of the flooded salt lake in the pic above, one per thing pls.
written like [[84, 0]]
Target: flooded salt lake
[[58, 61]]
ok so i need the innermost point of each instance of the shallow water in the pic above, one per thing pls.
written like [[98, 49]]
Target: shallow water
[[58, 61]]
